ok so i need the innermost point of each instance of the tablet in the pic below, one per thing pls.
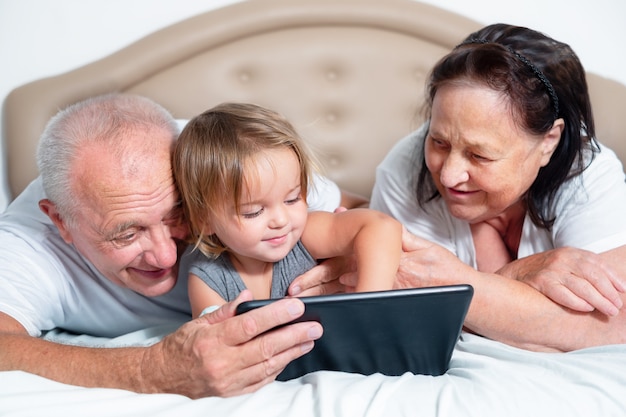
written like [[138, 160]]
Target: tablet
[[390, 332]]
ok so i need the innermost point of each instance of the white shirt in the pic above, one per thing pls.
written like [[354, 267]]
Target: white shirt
[[589, 211], [45, 283]]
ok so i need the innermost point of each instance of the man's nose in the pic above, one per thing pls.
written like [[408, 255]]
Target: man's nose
[[162, 251]]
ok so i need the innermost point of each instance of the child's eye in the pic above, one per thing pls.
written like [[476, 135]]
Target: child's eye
[[252, 215], [294, 200]]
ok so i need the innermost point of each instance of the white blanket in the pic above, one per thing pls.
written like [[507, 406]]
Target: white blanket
[[485, 378]]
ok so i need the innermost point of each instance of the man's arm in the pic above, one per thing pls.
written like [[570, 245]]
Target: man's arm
[[217, 354]]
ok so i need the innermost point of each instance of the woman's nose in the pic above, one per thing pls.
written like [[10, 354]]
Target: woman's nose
[[453, 171]]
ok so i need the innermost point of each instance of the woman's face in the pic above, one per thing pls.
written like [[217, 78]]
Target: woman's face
[[480, 161]]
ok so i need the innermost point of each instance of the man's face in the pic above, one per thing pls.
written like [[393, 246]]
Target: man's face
[[129, 217]]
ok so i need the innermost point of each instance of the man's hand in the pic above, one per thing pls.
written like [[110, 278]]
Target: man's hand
[[224, 355], [323, 278], [574, 278]]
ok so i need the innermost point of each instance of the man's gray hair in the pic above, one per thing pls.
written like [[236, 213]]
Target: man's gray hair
[[103, 119]]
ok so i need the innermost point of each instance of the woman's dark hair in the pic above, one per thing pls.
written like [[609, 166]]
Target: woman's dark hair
[[543, 80]]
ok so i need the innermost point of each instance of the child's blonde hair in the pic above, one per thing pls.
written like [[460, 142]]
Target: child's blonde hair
[[211, 156]]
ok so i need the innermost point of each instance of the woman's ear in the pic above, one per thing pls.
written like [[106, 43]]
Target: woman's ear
[[551, 141], [50, 210]]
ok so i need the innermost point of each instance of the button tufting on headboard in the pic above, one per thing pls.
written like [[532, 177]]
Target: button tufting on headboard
[[349, 74]]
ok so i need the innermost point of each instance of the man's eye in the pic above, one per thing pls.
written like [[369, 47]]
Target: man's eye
[[124, 239]]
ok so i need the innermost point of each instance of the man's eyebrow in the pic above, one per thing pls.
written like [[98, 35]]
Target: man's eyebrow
[[177, 204], [175, 208]]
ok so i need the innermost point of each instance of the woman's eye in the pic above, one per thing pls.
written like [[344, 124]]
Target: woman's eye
[[437, 143], [479, 158]]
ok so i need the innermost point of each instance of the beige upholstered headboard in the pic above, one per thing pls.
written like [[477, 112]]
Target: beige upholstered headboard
[[348, 73]]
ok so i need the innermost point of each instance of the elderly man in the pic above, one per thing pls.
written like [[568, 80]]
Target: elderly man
[[92, 247]]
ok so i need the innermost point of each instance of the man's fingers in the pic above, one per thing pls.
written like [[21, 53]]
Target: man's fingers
[[350, 280], [254, 325], [227, 310], [268, 354], [266, 371], [332, 287], [325, 274], [213, 356]]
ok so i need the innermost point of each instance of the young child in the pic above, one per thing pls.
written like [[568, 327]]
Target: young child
[[243, 174]]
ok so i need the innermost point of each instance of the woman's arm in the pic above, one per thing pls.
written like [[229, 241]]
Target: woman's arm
[[508, 310], [575, 278]]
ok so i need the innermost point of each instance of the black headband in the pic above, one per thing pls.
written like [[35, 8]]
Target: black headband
[[533, 67]]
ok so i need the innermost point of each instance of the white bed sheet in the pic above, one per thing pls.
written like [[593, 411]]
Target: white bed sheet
[[486, 378]]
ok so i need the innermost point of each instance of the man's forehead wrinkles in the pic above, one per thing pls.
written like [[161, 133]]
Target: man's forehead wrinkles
[[134, 216], [138, 199]]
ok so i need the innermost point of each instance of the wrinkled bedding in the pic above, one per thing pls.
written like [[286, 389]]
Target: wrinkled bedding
[[485, 378]]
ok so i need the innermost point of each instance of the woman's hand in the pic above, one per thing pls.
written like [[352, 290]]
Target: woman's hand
[[423, 264], [574, 278]]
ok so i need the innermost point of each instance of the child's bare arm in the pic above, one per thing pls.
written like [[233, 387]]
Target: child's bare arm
[[202, 296], [375, 238]]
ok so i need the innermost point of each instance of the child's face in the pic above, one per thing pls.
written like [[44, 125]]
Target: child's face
[[272, 211]]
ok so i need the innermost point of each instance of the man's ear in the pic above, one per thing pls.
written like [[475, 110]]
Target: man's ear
[[50, 210], [551, 141]]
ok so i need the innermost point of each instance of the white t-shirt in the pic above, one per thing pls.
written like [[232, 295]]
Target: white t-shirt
[[46, 284], [590, 210]]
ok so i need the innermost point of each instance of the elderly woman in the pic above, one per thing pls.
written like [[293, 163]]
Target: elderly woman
[[507, 167]]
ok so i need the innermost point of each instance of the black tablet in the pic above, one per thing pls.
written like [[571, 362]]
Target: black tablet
[[391, 332]]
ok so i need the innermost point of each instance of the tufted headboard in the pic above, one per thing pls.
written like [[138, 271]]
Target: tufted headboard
[[348, 73]]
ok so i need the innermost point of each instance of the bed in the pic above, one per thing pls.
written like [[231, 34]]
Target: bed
[[350, 76]]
